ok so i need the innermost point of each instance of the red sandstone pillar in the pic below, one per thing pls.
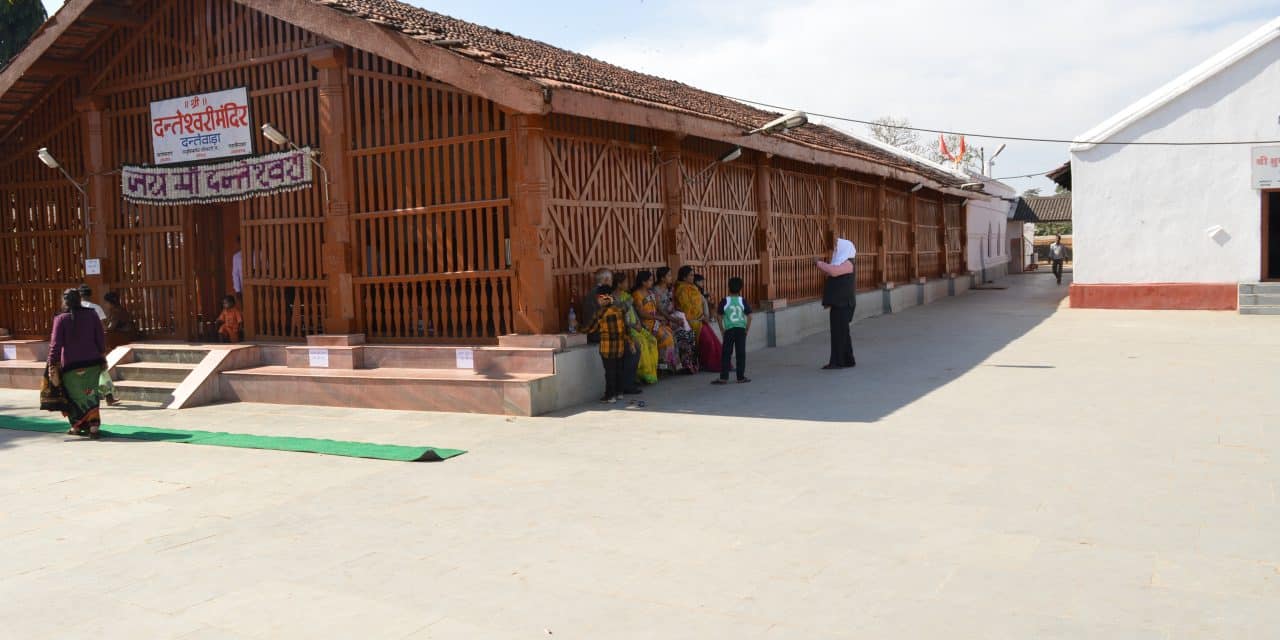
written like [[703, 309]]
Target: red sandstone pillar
[[337, 258], [533, 238]]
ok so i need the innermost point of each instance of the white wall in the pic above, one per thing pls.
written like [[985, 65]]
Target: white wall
[[987, 224], [1140, 213]]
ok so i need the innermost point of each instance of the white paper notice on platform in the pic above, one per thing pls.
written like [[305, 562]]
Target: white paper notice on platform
[[318, 357], [10, 352], [93, 267], [466, 358]]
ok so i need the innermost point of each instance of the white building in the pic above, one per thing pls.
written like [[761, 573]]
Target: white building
[[1182, 227], [988, 229]]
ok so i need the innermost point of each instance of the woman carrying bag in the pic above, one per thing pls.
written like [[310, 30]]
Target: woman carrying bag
[[76, 348]]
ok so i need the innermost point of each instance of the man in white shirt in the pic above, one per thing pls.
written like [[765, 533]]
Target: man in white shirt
[[85, 293], [237, 272], [1057, 254]]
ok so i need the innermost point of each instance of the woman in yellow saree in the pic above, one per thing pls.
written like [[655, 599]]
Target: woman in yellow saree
[[646, 305], [646, 368], [689, 300]]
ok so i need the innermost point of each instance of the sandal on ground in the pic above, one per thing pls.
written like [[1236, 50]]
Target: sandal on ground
[[744, 381], [719, 381]]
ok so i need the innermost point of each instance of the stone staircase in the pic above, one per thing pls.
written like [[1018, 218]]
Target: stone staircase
[[1260, 299], [155, 373]]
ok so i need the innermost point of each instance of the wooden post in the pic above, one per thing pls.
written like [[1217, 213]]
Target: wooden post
[[764, 228], [946, 233], [915, 244], [882, 206], [675, 236], [830, 195], [338, 263], [533, 240], [98, 189]]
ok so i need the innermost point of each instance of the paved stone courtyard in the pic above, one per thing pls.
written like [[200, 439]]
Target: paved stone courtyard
[[998, 466]]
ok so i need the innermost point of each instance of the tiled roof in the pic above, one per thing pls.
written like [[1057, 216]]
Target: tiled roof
[[1044, 208], [552, 66]]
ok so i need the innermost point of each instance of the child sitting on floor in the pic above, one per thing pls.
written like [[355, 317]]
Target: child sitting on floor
[[230, 321]]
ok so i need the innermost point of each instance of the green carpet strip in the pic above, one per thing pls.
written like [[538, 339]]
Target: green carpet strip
[[245, 441]]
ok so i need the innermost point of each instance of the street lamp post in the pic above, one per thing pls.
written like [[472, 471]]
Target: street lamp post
[[52, 162], [273, 134]]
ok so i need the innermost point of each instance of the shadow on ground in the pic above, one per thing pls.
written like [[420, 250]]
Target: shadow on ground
[[901, 358]]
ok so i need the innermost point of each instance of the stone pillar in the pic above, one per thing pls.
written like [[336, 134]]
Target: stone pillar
[[675, 236], [337, 257], [533, 238], [765, 235], [98, 188]]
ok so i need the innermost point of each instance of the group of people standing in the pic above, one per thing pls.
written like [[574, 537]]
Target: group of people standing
[[664, 321]]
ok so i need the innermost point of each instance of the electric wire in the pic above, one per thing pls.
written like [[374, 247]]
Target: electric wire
[[1013, 138]]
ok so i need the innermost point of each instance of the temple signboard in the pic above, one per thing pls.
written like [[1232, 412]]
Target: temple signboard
[[201, 127]]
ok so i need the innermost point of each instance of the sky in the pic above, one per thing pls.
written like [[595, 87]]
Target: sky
[[1032, 69]]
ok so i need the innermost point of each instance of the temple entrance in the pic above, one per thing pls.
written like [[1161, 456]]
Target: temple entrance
[[1271, 235], [215, 233]]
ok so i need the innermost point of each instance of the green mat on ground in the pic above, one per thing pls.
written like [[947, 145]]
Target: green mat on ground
[[245, 441]]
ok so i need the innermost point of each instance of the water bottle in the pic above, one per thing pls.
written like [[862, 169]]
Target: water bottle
[[573, 321]]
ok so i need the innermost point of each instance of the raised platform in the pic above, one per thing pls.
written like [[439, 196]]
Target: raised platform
[[464, 391]]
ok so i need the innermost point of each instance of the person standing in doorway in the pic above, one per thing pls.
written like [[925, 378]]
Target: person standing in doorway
[[237, 272], [839, 295], [1057, 254]]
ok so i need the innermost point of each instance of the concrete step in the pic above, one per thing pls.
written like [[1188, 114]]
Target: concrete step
[[456, 390], [1260, 310], [145, 391], [153, 371], [179, 355], [1255, 299], [1264, 288]]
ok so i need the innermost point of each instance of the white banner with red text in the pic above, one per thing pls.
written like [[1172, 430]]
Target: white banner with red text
[[218, 182]]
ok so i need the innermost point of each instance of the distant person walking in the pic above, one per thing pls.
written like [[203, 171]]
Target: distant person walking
[[106, 388], [76, 349], [839, 296], [1057, 254]]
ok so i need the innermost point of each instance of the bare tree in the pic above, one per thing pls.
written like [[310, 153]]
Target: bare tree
[[896, 132]]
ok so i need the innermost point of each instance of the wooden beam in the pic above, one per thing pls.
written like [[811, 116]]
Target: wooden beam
[[112, 16], [882, 212], [93, 142], [507, 89], [57, 67], [675, 235], [533, 238], [340, 312], [765, 238], [567, 100], [915, 240], [43, 39]]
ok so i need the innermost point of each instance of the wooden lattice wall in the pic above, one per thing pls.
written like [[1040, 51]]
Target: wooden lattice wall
[[857, 207], [606, 203], [720, 219], [190, 47], [431, 208], [42, 224], [798, 221]]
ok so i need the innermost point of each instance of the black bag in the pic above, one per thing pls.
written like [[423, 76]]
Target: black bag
[[53, 397]]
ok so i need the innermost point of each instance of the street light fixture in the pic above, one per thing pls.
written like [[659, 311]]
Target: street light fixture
[[274, 135], [782, 123], [49, 161], [727, 157]]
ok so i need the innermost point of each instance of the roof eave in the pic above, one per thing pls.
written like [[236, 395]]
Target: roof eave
[[40, 42], [1179, 86], [570, 100]]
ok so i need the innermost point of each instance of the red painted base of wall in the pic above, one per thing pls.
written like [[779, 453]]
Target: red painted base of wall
[[1170, 295]]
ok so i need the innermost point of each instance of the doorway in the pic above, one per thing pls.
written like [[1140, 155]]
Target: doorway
[[215, 230], [1271, 235]]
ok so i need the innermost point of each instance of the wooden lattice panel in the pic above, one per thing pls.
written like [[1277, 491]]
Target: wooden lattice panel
[[858, 220], [720, 218], [606, 210], [432, 207], [955, 237], [797, 217], [928, 237], [897, 248], [42, 225]]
